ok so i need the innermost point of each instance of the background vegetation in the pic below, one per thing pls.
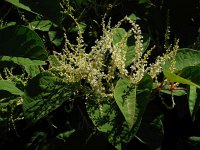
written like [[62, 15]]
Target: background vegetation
[[40, 111]]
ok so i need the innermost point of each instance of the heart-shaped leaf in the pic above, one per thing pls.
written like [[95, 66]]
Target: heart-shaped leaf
[[132, 99]]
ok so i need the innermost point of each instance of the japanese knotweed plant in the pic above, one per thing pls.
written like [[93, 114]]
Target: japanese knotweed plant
[[109, 59], [119, 76]]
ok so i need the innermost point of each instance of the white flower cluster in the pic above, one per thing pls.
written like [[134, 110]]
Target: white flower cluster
[[75, 64]]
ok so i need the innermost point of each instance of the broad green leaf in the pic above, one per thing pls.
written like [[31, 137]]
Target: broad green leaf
[[49, 93], [32, 70], [6, 85], [49, 9], [31, 66], [20, 5], [128, 97], [175, 78], [125, 96], [192, 97], [107, 117], [192, 73], [20, 41], [43, 25], [22, 61], [185, 57], [108, 120]]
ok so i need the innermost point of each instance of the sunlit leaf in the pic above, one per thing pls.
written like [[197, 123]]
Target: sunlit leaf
[[43, 25], [9, 86], [185, 57], [175, 78], [108, 118], [31, 66], [125, 96], [119, 34], [129, 100], [22, 61]]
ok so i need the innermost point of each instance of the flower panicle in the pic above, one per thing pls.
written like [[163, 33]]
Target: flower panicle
[[75, 64]]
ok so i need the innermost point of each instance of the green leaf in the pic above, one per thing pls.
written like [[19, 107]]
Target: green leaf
[[38, 140], [54, 61], [192, 97], [32, 70], [49, 9], [108, 120], [129, 98], [31, 66], [125, 96], [49, 93], [20, 41], [196, 106], [66, 134], [120, 33], [185, 57], [175, 78], [20, 5], [55, 38], [74, 28], [107, 117], [42, 25], [22, 61], [130, 54], [133, 17], [175, 92], [195, 139], [192, 73], [6, 85]]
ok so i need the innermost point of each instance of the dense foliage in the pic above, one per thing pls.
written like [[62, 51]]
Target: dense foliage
[[88, 74]]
